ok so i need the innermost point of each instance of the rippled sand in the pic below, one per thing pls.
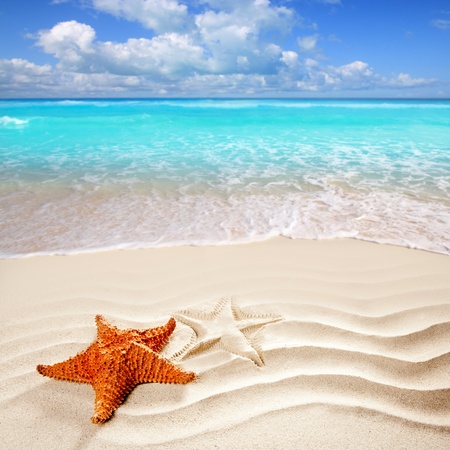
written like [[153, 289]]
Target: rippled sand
[[297, 344]]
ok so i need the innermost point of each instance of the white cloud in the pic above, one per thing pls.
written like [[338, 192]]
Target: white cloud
[[231, 5], [242, 63], [168, 54], [241, 38], [20, 71], [222, 29], [240, 30], [162, 16], [71, 42], [290, 58], [22, 78], [16, 66], [19, 75], [354, 70], [218, 48], [66, 36], [353, 77], [404, 80], [441, 24], [308, 43], [311, 63]]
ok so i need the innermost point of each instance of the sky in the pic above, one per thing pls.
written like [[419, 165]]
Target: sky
[[225, 48]]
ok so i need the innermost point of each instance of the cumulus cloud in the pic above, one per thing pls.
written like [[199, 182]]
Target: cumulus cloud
[[238, 39], [404, 80], [70, 42], [356, 75], [75, 47], [210, 47], [169, 55], [232, 5], [162, 16], [355, 70], [15, 67], [240, 31], [19, 75], [295, 77], [308, 43], [290, 58]]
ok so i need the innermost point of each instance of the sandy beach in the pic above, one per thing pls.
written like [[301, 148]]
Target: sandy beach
[[338, 344]]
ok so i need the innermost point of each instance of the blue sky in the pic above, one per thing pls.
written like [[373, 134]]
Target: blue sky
[[225, 48]]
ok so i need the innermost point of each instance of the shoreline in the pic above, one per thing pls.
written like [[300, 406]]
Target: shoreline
[[150, 247], [360, 347]]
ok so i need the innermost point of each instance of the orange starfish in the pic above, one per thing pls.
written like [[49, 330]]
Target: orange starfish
[[116, 362]]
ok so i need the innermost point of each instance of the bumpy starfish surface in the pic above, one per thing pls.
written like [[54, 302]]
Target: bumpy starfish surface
[[116, 362]]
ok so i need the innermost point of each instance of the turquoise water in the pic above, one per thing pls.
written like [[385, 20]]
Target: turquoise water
[[90, 175]]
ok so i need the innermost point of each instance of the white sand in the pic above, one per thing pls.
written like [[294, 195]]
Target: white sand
[[330, 344]]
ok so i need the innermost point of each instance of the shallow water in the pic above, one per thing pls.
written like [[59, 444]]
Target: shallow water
[[90, 175]]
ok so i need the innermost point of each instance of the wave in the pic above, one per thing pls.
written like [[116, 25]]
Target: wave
[[376, 104], [300, 104], [7, 121], [235, 103]]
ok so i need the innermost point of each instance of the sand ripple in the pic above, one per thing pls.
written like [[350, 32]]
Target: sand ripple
[[373, 359]]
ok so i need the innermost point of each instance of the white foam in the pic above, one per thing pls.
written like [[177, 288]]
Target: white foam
[[289, 103], [12, 121], [97, 220]]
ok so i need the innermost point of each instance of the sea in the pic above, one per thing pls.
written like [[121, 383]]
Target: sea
[[90, 175]]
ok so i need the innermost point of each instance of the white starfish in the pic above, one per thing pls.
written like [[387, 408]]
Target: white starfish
[[227, 327]]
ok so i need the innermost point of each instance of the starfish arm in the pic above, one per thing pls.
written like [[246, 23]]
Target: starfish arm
[[105, 331], [156, 338], [74, 369], [111, 388], [148, 366]]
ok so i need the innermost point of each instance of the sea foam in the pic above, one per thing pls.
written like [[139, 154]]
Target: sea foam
[[12, 121]]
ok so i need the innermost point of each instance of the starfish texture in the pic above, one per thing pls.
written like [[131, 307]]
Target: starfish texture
[[227, 327], [116, 362]]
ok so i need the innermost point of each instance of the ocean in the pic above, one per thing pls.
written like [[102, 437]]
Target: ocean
[[91, 175]]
